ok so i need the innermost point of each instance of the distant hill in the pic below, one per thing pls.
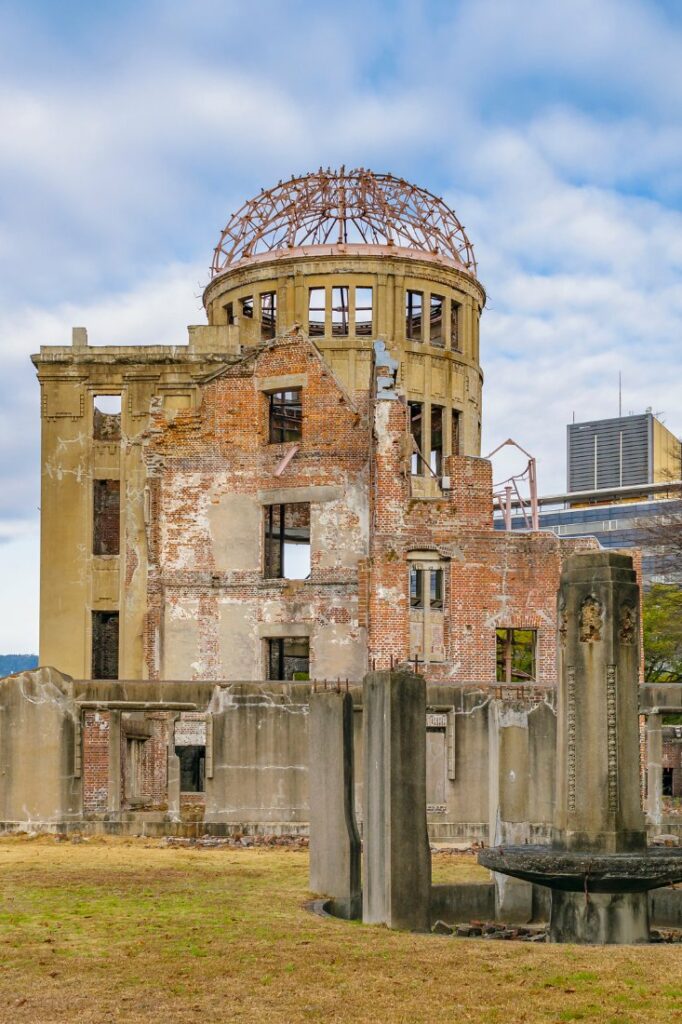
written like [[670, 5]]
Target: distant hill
[[10, 663]]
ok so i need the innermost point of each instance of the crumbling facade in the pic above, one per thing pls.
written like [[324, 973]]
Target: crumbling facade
[[297, 496]]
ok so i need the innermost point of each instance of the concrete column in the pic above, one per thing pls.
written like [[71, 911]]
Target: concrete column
[[334, 838], [654, 768], [114, 780], [508, 822], [173, 777], [396, 853]]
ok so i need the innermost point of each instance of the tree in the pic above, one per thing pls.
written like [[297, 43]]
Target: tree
[[662, 621]]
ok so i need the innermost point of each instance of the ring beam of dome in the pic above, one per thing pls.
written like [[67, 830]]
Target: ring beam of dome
[[336, 208]]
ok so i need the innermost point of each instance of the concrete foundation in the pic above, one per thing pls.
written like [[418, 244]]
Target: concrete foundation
[[599, 918], [334, 838], [396, 856]]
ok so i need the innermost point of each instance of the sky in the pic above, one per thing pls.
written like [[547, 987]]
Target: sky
[[131, 131]]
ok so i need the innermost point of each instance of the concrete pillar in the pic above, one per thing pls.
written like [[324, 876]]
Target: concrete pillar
[[508, 822], [173, 776], [114, 775], [603, 918], [654, 767], [396, 853], [334, 838]]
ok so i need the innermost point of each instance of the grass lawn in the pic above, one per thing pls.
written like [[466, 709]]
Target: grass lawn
[[129, 930]]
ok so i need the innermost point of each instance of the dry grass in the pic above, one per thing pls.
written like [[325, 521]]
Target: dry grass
[[131, 931]]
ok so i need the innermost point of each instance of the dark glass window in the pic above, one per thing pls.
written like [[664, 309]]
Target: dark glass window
[[516, 655], [286, 416], [288, 658], [414, 302]]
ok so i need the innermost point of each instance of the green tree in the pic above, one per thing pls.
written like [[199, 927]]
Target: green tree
[[662, 610]]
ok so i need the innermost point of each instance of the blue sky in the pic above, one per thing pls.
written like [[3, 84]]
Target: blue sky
[[130, 132]]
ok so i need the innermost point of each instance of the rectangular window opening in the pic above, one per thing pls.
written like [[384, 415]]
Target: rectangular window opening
[[286, 416], [416, 410], [436, 453], [436, 592], [106, 417], [454, 325], [414, 302], [455, 438], [289, 658], [416, 587], [363, 312], [105, 645], [246, 306], [317, 304], [516, 655], [436, 334], [287, 541], [106, 517], [268, 315], [229, 314], [340, 311], [192, 768]]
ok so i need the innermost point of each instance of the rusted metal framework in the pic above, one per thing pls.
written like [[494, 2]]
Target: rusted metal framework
[[339, 207], [502, 492]]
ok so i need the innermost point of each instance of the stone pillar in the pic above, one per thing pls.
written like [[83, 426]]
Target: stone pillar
[[334, 838], [173, 776], [654, 769], [396, 852], [598, 794], [601, 918]]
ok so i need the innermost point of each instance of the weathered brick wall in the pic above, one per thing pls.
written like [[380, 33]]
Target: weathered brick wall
[[95, 770]]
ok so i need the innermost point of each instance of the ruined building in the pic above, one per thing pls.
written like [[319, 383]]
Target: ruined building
[[294, 496]]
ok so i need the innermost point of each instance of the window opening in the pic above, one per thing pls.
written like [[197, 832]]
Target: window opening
[[416, 429], [106, 517], [229, 313], [363, 312], [413, 315], [455, 439], [317, 304], [106, 417], [286, 416], [454, 324], [287, 541], [667, 782], [436, 335], [268, 315], [436, 589], [289, 658], [247, 306], [105, 645], [192, 768], [416, 587], [436, 454], [516, 655], [340, 311]]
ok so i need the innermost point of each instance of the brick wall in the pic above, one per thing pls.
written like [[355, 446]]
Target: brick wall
[[95, 737]]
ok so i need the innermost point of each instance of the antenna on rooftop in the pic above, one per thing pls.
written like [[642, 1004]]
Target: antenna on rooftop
[[620, 393]]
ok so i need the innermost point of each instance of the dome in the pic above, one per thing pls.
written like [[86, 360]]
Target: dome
[[343, 208]]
